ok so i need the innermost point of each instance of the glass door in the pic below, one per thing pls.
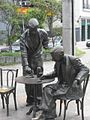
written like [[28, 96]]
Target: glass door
[[83, 30], [88, 29]]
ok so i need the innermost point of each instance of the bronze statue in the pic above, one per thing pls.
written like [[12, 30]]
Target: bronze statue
[[70, 71], [31, 43]]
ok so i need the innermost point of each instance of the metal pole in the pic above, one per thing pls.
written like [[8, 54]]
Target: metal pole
[[72, 27]]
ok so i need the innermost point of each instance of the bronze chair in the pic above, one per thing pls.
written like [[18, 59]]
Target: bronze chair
[[79, 100], [8, 86]]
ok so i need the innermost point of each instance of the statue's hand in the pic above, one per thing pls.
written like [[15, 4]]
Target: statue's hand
[[76, 83], [28, 69], [43, 77]]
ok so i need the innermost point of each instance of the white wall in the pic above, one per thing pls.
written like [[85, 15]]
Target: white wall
[[79, 12]]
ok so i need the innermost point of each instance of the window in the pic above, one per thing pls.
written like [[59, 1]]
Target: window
[[86, 4]]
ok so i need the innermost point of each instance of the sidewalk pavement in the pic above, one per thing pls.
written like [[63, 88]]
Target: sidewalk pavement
[[20, 114]]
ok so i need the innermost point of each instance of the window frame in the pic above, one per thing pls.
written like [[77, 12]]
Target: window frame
[[86, 5]]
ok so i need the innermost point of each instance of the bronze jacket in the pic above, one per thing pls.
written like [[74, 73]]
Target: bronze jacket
[[72, 69], [30, 56]]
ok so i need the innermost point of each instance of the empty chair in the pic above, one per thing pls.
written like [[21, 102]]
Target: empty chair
[[79, 99], [8, 86]]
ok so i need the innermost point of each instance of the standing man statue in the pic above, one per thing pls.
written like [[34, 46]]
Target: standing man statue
[[31, 43]]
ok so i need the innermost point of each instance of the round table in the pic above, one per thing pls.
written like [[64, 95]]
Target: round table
[[34, 81]]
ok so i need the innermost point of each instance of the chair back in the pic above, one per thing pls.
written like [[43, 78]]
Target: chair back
[[84, 84], [7, 77]]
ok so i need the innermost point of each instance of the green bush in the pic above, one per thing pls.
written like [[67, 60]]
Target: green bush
[[10, 53], [57, 31], [45, 51], [78, 53]]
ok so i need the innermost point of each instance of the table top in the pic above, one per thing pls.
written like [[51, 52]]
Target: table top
[[30, 80]]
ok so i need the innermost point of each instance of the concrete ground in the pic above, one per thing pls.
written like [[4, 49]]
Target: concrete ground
[[20, 114]]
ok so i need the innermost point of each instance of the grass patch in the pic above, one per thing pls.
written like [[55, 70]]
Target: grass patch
[[79, 52]]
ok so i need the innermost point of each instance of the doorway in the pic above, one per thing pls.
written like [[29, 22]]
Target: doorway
[[85, 29]]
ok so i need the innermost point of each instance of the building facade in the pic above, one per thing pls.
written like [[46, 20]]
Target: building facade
[[82, 19]]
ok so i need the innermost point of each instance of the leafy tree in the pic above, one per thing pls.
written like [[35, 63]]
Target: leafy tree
[[34, 13], [57, 31], [52, 10], [53, 13], [9, 17], [15, 20]]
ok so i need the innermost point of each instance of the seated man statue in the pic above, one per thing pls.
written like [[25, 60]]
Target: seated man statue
[[70, 71]]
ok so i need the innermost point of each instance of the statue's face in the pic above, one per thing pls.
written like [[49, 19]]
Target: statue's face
[[57, 54], [32, 30], [57, 57]]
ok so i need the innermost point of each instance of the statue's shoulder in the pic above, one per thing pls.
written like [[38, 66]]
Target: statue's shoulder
[[25, 33], [42, 31], [72, 58]]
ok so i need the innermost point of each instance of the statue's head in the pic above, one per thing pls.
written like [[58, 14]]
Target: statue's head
[[33, 24], [57, 53]]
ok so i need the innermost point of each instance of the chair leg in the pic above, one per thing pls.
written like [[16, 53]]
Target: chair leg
[[2, 97], [82, 109], [77, 102], [14, 96], [60, 107], [7, 104], [65, 108]]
